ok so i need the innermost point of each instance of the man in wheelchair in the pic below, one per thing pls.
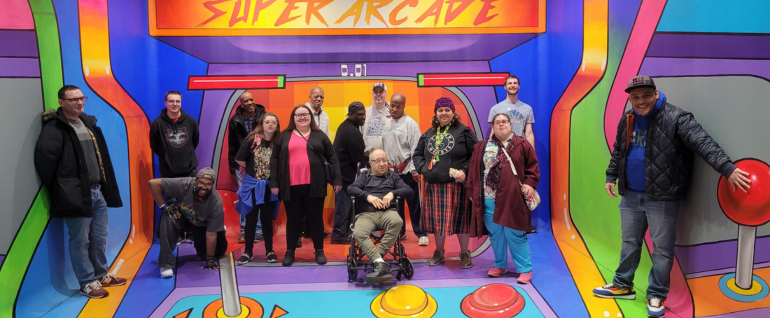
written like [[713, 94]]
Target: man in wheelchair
[[375, 209]]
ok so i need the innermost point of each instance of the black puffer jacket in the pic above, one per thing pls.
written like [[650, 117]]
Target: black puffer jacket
[[237, 133], [672, 137], [60, 163]]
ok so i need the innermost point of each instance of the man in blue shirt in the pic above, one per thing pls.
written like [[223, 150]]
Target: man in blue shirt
[[652, 161]]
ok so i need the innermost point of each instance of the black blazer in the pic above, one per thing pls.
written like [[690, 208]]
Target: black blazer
[[279, 164]]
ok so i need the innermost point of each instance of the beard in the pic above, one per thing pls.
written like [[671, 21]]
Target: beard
[[200, 198]]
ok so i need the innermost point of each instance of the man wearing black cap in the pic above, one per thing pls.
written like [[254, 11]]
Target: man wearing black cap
[[652, 161], [349, 148], [376, 116], [195, 202]]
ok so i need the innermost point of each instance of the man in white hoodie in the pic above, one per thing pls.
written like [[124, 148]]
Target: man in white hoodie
[[400, 137], [377, 115]]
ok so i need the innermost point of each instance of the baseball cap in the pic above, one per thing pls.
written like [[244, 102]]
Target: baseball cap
[[380, 85], [640, 81], [207, 173]]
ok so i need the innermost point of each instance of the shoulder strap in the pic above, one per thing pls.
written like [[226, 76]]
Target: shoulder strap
[[311, 146], [511, 163]]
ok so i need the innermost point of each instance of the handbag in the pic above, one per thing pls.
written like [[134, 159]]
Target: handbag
[[531, 202], [327, 167]]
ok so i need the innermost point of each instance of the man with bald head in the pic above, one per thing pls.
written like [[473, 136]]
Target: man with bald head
[[316, 104], [399, 139], [375, 190], [241, 124]]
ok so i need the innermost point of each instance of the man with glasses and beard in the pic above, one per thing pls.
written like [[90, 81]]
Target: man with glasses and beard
[[195, 202]]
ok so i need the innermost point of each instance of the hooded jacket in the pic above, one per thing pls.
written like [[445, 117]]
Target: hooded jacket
[[60, 162], [454, 152], [237, 132], [672, 137], [174, 142]]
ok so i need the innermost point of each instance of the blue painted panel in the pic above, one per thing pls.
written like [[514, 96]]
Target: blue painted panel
[[50, 272], [147, 290], [741, 16]]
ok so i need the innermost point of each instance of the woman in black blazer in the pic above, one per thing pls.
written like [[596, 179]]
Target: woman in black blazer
[[298, 177]]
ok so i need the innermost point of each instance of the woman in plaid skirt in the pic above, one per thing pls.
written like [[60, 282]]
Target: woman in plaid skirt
[[442, 156]]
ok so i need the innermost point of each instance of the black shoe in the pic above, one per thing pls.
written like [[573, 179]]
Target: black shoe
[[271, 257], [299, 242], [244, 259], [320, 258], [288, 259], [380, 273], [339, 240]]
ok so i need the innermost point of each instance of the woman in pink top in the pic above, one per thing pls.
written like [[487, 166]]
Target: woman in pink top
[[298, 177]]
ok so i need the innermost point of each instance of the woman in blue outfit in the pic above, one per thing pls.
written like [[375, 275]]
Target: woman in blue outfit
[[496, 196], [254, 158]]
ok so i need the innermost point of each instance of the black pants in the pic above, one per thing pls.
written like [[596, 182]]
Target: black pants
[[169, 231], [302, 205], [414, 206], [262, 212]]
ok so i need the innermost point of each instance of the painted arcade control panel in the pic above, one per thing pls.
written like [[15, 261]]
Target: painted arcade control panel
[[489, 301]]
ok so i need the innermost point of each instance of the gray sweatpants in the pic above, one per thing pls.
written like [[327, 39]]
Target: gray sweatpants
[[368, 222]]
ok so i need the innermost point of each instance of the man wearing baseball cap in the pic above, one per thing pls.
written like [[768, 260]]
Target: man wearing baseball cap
[[651, 162], [190, 201], [377, 115]]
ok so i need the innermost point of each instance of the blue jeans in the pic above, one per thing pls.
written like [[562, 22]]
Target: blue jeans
[[239, 178], [504, 238], [636, 215], [88, 240]]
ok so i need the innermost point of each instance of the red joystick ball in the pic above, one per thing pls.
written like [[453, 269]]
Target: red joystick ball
[[751, 208]]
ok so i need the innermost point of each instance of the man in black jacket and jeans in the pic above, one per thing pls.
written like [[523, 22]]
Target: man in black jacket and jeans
[[245, 119], [349, 148], [72, 160], [652, 160]]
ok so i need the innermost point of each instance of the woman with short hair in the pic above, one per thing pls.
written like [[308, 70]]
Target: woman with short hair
[[498, 198]]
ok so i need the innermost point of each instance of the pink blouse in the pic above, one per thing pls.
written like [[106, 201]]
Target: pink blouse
[[299, 164]]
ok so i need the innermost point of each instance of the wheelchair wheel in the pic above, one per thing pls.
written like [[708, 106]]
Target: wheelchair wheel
[[408, 268]]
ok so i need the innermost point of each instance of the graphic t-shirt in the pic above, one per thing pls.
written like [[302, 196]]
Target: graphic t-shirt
[[520, 112], [208, 213], [374, 126]]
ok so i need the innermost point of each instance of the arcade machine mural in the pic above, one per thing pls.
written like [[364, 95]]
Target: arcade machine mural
[[573, 59]]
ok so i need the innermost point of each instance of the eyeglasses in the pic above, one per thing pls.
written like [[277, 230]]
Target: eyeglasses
[[201, 184], [303, 115], [76, 100], [378, 161], [379, 93]]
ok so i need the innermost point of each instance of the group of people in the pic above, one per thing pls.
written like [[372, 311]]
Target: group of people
[[452, 183]]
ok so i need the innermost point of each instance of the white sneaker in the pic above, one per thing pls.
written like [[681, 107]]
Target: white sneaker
[[423, 241], [166, 272]]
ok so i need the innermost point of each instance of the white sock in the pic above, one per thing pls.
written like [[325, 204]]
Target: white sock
[[379, 260]]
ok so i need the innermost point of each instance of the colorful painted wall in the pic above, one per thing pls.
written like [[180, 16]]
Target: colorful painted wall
[[573, 59]]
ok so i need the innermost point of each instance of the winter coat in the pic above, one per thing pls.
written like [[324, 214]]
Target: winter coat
[[672, 137], [237, 133], [510, 209], [174, 142], [60, 162]]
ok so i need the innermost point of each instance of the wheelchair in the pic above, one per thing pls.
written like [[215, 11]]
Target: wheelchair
[[357, 259]]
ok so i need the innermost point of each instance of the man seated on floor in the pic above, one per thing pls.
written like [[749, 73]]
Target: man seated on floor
[[195, 202], [375, 191]]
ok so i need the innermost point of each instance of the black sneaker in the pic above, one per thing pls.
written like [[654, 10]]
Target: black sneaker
[[380, 273], [271, 257], [320, 258], [288, 259], [244, 259]]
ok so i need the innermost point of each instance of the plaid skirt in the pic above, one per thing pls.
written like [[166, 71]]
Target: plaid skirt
[[446, 209]]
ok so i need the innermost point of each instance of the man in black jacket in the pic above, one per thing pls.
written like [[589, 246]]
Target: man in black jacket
[[174, 137], [349, 148], [72, 160], [376, 209], [245, 119], [652, 161]]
